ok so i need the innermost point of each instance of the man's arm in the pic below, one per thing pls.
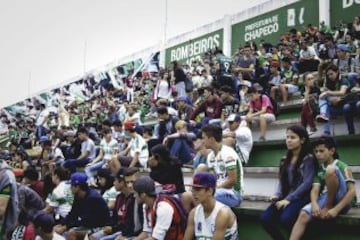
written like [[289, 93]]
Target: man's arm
[[83, 155], [190, 229], [135, 160], [231, 180], [314, 196], [221, 223]]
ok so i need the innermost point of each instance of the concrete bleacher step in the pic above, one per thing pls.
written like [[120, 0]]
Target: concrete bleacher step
[[344, 226]]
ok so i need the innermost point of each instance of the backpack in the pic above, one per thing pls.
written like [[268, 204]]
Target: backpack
[[179, 222], [274, 103]]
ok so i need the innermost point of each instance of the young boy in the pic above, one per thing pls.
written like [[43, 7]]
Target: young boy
[[333, 188]]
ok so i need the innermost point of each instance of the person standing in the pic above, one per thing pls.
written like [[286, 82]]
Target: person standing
[[297, 171]]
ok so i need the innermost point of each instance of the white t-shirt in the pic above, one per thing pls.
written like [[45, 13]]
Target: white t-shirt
[[108, 148], [139, 145], [110, 194], [225, 160], [243, 141], [164, 217], [41, 118], [61, 199], [163, 90], [89, 146]]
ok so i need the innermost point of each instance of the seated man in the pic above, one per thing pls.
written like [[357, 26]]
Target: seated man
[[43, 226], [88, 213], [333, 189], [88, 151], [136, 154], [261, 110], [239, 136], [223, 162], [216, 220], [124, 221], [163, 217]]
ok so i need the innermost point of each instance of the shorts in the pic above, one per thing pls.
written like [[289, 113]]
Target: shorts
[[292, 88], [268, 116]]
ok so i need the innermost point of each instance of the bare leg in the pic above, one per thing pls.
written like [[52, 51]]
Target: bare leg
[[262, 122], [300, 226], [332, 185], [284, 93]]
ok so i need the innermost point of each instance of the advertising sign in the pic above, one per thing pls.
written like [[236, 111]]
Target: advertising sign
[[270, 26], [194, 48]]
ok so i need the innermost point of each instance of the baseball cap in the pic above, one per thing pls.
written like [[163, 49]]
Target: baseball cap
[[145, 184], [78, 179], [233, 118], [129, 125], [203, 180], [342, 47], [257, 87], [245, 83], [44, 220]]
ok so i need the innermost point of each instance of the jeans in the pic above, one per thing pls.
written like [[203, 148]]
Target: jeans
[[350, 110], [40, 131], [228, 197], [271, 217], [93, 168], [72, 164], [327, 110], [181, 149]]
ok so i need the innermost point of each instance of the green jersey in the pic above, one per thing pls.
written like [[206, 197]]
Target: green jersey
[[344, 169], [225, 64]]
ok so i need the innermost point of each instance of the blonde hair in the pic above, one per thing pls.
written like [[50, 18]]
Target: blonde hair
[[181, 124]]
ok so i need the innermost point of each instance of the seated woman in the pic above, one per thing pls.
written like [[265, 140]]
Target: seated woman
[[297, 171], [335, 87], [166, 169]]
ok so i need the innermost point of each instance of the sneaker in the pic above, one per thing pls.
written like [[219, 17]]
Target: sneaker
[[262, 139], [322, 118]]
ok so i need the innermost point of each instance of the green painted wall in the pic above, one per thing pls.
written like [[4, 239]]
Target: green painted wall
[[270, 155], [344, 10], [270, 26], [194, 49]]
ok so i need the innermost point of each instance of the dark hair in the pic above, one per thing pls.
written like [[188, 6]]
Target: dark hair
[[31, 174], [213, 130], [285, 162], [162, 110], [117, 123], [331, 84], [162, 154], [209, 89], [328, 142], [62, 173], [106, 131], [83, 130]]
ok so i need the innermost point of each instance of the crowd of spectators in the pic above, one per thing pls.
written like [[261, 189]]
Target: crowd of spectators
[[182, 115]]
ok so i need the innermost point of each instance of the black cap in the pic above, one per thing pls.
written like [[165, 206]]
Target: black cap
[[145, 184]]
